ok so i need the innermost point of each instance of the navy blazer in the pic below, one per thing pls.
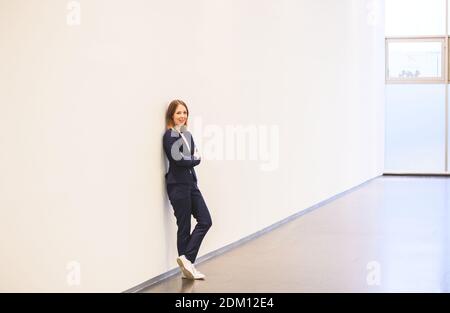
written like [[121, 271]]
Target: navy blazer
[[181, 160]]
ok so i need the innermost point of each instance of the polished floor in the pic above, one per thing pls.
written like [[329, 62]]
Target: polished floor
[[389, 235]]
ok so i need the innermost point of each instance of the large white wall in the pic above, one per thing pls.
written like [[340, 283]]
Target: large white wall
[[82, 115]]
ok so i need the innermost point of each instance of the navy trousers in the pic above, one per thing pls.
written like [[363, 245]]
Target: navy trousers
[[187, 200]]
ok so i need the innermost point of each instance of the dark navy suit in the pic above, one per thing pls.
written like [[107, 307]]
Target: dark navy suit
[[183, 192]]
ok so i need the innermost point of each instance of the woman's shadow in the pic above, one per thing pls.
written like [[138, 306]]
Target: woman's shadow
[[187, 285]]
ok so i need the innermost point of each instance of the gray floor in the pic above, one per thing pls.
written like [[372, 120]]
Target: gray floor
[[390, 235]]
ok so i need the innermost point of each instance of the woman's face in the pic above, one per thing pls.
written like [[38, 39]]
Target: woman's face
[[180, 115]]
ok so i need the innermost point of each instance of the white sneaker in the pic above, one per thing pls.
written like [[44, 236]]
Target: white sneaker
[[186, 267], [197, 274]]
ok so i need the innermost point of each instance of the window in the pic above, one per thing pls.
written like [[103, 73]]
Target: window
[[415, 60]]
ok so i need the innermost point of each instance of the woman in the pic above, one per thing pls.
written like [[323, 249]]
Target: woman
[[182, 189]]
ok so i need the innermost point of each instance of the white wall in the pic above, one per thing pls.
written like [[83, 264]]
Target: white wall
[[82, 115]]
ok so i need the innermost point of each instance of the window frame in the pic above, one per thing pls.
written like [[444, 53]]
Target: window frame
[[424, 80]]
